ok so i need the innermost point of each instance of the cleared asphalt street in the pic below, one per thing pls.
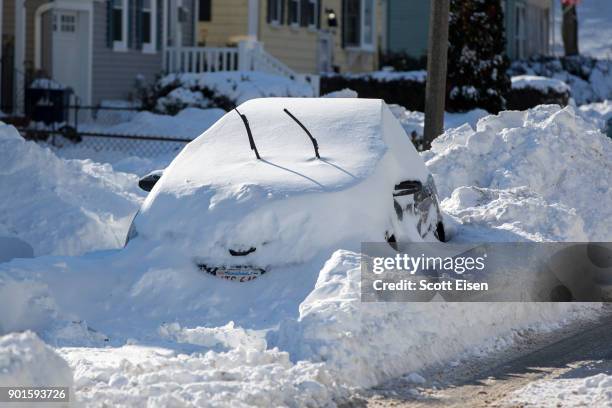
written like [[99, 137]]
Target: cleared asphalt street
[[580, 350]]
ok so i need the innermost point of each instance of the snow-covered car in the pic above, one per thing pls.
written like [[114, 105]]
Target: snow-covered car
[[278, 180]]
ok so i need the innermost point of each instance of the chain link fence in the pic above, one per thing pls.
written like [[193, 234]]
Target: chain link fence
[[103, 128]]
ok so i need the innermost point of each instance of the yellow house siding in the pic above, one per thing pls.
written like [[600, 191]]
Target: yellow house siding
[[228, 25], [8, 18], [295, 46]]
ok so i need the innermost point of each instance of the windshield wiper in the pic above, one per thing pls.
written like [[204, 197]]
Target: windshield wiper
[[248, 129], [312, 139]]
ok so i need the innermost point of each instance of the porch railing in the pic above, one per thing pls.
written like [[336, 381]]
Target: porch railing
[[248, 56], [201, 59]]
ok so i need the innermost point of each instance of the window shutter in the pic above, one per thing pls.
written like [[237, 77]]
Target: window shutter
[[130, 23], [160, 24], [205, 10], [109, 24], [269, 12], [138, 21], [319, 12], [283, 7], [341, 21], [304, 12]]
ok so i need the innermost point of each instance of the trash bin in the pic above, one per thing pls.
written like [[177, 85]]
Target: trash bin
[[47, 105]]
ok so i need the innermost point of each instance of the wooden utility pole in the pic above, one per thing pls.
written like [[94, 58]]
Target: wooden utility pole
[[435, 90], [569, 27]]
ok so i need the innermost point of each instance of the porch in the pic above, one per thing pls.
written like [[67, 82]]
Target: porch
[[247, 56]]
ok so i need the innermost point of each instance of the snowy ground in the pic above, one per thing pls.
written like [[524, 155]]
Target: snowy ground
[[188, 123], [62, 207], [168, 335], [236, 86], [594, 391]]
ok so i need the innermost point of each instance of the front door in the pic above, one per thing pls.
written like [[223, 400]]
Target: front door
[[325, 52], [70, 48]]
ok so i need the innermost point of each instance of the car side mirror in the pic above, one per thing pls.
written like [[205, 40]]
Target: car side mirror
[[148, 181]]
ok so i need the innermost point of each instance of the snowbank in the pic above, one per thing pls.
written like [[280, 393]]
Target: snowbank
[[389, 75], [238, 87], [135, 375], [590, 80], [26, 361], [58, 206], [299, 336], [540, 83], [364, 344], [546, 158], [130, 160], [598, 113], [414, 121], [26, 304], [187, 124]]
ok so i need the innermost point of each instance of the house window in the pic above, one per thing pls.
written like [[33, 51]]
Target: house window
[[358, 24], [275, 11], [294, 12], [119, 24], [367, 32], [64, 22], [312, 14], [352, 23], [204, 10], [67, 23], [148, 15]]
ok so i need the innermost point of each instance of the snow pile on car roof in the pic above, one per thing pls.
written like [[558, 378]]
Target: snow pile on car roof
[[545, 157], [63, 207], [216, 195]]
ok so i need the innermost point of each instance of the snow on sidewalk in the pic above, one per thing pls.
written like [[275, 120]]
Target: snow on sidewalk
[[590, 391]]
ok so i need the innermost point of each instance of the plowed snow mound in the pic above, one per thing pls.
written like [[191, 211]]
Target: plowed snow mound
[[561, 162], [62, 207], [26, 361]]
